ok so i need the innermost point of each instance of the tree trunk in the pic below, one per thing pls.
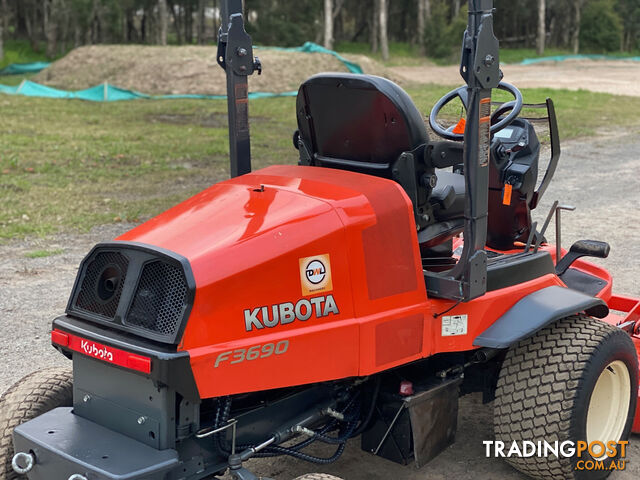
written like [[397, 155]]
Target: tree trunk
[[456, 8], [163, 20], [575, 39], [421, 18], [4, 26], [2, 14], [30, 19], [375, 26], [5, 17], [49, 27], [328, 24], [542, 31], [201, 22], [188, 23], [384, 40], [176, 21]]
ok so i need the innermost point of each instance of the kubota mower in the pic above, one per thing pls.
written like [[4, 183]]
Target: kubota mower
[[358, 293]]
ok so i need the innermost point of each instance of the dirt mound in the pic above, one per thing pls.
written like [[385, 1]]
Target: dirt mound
[[190, 69]]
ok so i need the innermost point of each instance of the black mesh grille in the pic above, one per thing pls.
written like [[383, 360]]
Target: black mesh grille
[[160, 299], [105, 264]]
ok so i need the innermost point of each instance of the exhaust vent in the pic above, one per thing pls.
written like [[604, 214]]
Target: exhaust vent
[[160, 299], [143, 290], [102, 284]]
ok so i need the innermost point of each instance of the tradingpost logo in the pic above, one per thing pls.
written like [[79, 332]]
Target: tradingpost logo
[[591, 456]]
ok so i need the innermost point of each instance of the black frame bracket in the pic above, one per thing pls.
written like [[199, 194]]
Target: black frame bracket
[[235, 56]]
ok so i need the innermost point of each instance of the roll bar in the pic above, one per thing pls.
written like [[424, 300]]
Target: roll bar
[[235, 56], [480, 69]]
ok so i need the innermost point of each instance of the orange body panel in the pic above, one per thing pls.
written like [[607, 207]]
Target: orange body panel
[[250, 242]]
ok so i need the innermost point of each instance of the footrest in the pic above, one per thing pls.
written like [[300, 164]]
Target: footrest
[[65, 444]]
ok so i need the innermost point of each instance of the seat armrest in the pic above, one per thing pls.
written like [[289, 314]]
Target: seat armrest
[[444, 154]]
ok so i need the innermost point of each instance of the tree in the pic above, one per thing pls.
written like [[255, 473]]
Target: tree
[[575, 37], [375, 26], [201, 22], [384, 40], [542, 31], [163, 19], [4, 25], [328, 24], [422, 16], [2, 14], [50, 26]]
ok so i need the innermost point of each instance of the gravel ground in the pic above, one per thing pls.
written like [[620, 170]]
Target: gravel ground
[[599, 176], [618, 77]]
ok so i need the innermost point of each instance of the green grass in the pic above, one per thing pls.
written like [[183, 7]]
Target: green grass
[[43, 253], [70, 165], [13, 80]]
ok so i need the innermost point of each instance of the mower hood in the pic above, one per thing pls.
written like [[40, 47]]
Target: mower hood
[[260, 243]]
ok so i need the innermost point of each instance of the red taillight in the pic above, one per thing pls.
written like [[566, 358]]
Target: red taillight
[[136, 362], [102, 352], [59, 338]]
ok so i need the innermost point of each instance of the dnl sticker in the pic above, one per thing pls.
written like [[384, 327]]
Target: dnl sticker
[[315, 274], [454, 325]]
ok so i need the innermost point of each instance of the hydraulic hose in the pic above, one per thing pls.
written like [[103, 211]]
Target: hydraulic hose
[[374, 399]]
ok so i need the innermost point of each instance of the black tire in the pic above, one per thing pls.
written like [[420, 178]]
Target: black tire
[[35, 394], [545, 387], [317, 476]]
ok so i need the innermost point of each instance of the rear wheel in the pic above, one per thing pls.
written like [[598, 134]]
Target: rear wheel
[[35, 394], [574, 380]]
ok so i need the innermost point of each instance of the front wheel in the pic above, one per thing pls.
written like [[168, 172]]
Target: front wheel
[[576, 380], [37, 393]]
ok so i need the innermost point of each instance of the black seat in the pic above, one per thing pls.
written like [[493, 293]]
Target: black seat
[[370, 125], [357, 122]]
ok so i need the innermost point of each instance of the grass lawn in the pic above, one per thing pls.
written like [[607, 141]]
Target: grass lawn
[[70, 165]]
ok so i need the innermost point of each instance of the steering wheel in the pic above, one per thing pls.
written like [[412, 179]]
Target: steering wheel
[[497, 123]]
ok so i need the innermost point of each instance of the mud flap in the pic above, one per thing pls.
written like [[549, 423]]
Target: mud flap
[[417, 427]]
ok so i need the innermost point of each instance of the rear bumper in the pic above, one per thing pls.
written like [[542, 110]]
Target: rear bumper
[[65, 444]]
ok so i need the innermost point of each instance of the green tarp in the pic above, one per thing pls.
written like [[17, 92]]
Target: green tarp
[[23, 68], [562, 58], [110, 93]]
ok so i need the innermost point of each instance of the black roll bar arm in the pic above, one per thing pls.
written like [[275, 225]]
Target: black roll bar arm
[[235, 56], [480, 68]]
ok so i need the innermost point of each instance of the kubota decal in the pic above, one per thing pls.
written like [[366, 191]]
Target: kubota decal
[[315, 274], [287, 312]]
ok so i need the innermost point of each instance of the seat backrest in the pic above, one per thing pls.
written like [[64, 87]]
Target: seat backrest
[[357, 122]]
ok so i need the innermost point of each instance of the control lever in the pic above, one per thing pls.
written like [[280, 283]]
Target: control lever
[[569, 208], [552, 210]]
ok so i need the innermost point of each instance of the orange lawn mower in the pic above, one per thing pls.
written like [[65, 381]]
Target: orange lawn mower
[[361, 292]]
